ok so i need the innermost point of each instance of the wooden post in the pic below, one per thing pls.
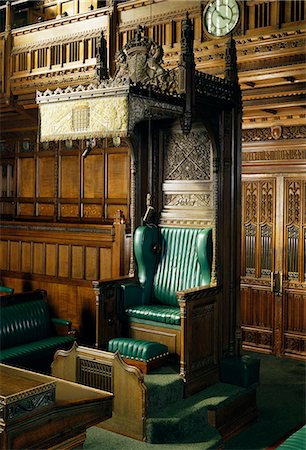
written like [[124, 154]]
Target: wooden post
[[118, 245], [7, 50]]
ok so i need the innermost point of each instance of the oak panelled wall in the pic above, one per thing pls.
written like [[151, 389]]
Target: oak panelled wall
[[66, 220], [273, 288]]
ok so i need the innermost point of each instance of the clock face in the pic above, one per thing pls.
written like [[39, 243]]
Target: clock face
[[221, 17]]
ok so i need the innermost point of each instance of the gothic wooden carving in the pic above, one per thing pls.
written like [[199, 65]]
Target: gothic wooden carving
[[188, 157]]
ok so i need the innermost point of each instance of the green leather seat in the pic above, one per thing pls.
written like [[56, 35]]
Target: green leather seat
[[137, 349], [183, 262]]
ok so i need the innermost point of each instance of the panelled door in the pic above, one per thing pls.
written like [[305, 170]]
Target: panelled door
[[273, 287]]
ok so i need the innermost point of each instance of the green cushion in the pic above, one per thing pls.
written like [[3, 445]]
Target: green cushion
[[25, 322], [35, 350], [137, 349], [157, 313]]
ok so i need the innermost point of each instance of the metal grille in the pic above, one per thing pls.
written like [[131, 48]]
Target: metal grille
[[94, 374]]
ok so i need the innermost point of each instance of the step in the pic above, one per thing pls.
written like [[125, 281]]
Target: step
[[184, 418], [165, 387]]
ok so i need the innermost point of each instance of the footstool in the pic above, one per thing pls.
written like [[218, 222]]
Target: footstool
[[145, 355]]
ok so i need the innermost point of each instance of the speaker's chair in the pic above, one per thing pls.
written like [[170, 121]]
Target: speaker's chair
[[171, 300]]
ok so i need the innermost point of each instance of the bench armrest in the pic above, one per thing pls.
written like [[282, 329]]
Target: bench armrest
[[61, 326]]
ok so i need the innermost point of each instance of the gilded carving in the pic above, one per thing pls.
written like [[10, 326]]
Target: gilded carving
[[266, 134], [266, 204], [93, 211], [251, 199], [71, 119], [197, 200], [188, 157], [69, 210]]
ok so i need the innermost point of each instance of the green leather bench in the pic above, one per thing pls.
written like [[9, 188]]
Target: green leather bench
[[145, 355], [29, 337]]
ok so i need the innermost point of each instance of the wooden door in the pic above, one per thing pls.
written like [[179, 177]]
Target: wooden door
[[273, 288]]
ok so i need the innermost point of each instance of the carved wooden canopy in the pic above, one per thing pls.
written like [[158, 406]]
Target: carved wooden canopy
[[140, 90]]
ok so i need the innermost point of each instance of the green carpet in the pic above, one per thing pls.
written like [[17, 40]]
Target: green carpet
[[280, 400]]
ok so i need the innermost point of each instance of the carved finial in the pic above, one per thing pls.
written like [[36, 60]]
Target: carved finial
[[186, 73], [102, 58], [231, 71], [119, 217]]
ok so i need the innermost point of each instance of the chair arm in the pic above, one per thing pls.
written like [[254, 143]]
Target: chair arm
[[131, 294], [61, 326], [197, 293], [111, 282]]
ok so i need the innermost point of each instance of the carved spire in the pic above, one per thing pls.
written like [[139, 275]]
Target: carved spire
[[102, 58], [186, 73], [231, 70]]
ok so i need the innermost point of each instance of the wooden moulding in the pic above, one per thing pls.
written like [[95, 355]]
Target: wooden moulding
[[232, 418], [147, 366]]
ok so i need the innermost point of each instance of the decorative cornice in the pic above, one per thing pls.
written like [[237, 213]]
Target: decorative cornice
[[63, 39], [266, 134], [159, 18]]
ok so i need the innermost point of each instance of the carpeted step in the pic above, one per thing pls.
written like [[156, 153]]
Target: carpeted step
[[184, 418], [164, 388]]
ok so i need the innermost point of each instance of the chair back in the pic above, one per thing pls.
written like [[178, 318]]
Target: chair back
[[183, 262]]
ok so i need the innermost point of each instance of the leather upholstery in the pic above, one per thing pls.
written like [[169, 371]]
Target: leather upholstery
[[180, 267], [137, 349], [157, 313], [6, 290], [26, 331], [183, 262]]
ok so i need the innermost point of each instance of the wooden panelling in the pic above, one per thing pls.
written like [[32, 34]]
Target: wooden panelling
[[45, 187], [63, 262], [26, 257], [94, 170], [77, 262], [14, 258], [118, 175], [70, 177], [44, 209], [38, 257], [105, 263], [51, 259], [294, 324], [26, 177], [4, 255], [26, 209], [91, 263]]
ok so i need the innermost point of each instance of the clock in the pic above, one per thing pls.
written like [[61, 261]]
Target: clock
[[220, 17]]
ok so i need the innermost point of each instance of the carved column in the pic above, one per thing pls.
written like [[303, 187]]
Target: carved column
[[8, 48]]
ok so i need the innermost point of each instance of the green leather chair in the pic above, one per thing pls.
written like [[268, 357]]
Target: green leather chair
[[168, 260], [170, 301]]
